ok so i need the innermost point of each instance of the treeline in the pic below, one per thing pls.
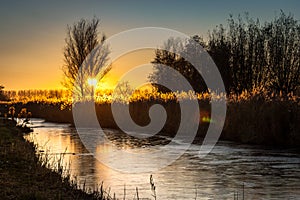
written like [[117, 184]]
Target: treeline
[[2, 95], [248, 54], [36, 95]]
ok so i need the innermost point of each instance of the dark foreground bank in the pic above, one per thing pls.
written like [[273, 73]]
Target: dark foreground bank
[[24, 176]]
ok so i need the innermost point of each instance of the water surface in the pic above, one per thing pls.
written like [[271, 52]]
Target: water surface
[[264, 173]]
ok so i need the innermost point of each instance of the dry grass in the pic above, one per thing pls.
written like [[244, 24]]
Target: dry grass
[[257, 116], [258, 121], [24, 175]]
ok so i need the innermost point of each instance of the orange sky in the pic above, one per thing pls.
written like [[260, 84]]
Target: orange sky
[[28, 70], [33, 64], [32, 35], [127, 62]]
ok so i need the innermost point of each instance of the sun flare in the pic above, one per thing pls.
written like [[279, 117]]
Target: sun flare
[[92, 82]]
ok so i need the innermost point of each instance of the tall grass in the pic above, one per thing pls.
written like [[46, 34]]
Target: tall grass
[[257, 116], [27, 175], [56, 164], [64, 98]]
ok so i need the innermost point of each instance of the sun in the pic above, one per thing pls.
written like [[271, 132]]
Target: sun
[[92, 82]]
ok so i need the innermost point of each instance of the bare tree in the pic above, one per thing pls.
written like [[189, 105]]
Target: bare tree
[[248, 54], [123, 92], [85, 57], [283, 48], [167, 58], [258, 56]]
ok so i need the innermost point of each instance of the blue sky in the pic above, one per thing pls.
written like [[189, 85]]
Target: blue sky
[[32, 32]]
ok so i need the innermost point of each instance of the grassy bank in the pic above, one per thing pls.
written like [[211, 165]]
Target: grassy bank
[[23, 174], [258, 121], [252, 119]]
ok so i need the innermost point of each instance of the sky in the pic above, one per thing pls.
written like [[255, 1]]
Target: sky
[[32, 33]]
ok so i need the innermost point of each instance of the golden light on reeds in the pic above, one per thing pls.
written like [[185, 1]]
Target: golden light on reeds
[[104, 90]]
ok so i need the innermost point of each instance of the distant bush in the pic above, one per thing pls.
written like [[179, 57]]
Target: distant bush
[[3, 97]]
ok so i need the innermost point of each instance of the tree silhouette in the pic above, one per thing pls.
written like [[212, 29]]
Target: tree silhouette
[[3, 97], [248, 55], [84, 57], [239, 53], [255, 55], [166, 58], [283, 49]]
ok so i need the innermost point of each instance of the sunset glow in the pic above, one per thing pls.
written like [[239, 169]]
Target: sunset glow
[[150, 99], [92, 82], [32, 36]]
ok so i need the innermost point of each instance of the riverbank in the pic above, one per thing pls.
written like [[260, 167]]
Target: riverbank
[[24, 176], [253, 120]]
